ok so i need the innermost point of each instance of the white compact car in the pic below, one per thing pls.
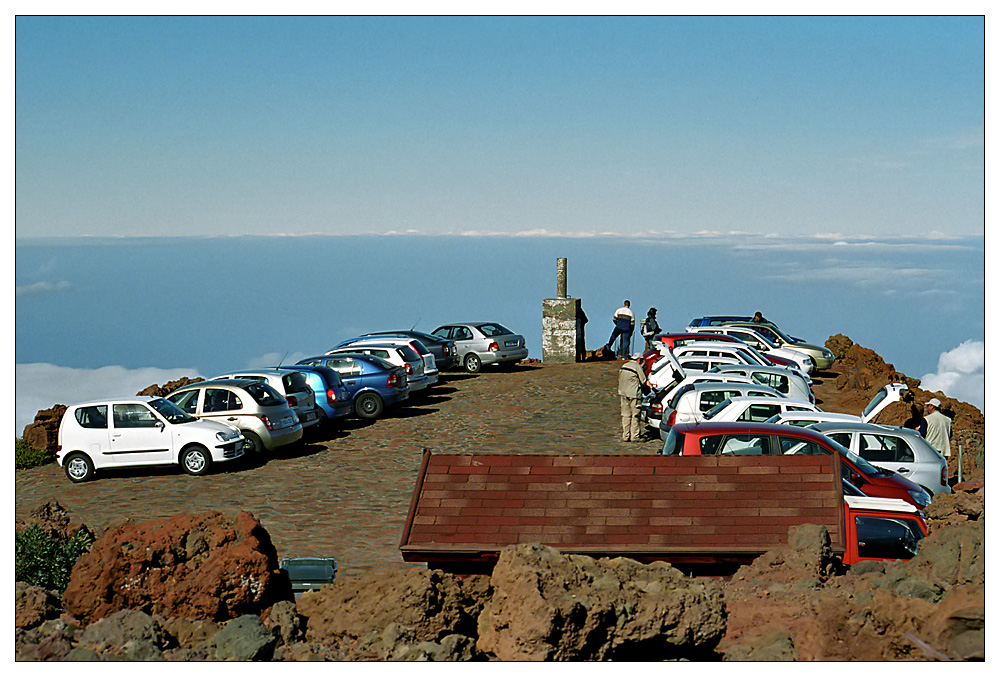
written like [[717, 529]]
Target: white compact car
[[138, 431], [690, 402], [789, 383], [802, 360], [754, 409], [901, 450], [292, 385]]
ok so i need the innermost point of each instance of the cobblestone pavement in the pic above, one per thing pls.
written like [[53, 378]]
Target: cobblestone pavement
[[347, 493]]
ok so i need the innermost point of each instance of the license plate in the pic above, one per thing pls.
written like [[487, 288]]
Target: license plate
[[510, 344], [310, 416], [286, 421]]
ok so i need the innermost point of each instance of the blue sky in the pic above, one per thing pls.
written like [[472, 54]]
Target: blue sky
[[854, 126]]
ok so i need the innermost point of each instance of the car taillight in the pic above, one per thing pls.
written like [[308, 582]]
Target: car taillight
[[292, 402], [493, 347], [331, 396], [391, 383], [672, 418], [944, 475], [657, 407], [266, 422], [409, 369]]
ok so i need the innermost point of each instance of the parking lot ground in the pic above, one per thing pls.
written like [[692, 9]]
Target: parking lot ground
[[346, 493]]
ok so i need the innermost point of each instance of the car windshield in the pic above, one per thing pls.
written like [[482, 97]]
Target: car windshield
[[862, 465], [879, 396], [409, 354], [263, 394], [717, 408], [171, 411], [493, 329], [674, 444], [294, 382]]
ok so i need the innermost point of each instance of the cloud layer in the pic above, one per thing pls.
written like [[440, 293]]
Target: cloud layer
[[41, 385], [961, 374]]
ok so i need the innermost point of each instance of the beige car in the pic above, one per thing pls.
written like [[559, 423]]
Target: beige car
[[258, 410], [823, 357]]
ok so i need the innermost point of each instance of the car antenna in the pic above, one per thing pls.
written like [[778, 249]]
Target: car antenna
[[416, 323], [282, 358]]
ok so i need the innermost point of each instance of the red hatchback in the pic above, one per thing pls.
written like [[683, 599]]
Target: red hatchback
[[756, 439]]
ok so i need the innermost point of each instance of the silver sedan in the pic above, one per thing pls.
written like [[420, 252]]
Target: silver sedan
[[481, 343]]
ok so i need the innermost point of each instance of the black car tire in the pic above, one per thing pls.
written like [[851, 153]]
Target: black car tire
[[78, 467], [368, 405], [253, 446], [196, 460], [472, 363]]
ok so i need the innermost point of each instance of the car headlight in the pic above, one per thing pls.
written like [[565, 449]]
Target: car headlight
[[227, 435], [921, 497]]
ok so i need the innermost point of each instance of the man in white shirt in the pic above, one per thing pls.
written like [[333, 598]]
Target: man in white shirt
[[624, 320], [938, 428]]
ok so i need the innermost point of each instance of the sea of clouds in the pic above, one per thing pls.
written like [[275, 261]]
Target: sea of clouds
[[961, 374]]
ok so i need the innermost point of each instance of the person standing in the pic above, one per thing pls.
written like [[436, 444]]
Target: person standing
[[916, 420], [624, 320], [649, 327], [938, 428], [631, 383]]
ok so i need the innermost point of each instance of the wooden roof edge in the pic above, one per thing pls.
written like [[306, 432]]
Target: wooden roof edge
[[415, 499], [449, 550]]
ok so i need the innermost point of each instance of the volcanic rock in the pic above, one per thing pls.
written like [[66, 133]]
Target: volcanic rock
[[43, 432], [168, 387], [550, 606], [194, 565], [428, 604], [34, 605]]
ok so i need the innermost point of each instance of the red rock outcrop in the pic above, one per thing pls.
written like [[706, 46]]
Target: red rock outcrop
[[168, 387], [550, 606], [204, 566], [43, 432], [429, 604]]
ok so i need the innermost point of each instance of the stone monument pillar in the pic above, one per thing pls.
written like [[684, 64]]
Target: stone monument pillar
[[562, 323]]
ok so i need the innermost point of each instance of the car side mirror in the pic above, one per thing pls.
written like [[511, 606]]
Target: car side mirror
[[857, 479], [161, 425]]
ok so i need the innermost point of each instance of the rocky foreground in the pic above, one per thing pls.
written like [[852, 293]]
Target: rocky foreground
[[207, 586]]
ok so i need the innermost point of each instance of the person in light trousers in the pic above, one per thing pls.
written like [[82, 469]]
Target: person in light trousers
[[631, 383]]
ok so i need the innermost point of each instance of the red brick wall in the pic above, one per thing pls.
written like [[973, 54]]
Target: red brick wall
[[619, 504]]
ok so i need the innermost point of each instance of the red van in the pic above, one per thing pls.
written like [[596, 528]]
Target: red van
[[755, 439]]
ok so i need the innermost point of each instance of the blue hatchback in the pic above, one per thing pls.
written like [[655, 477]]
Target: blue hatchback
[[332, 398], [372, 383]]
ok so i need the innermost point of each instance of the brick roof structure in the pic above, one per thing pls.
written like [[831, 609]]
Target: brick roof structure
[[694, 509]]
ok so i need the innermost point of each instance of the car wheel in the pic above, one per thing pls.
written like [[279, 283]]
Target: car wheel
[[253, 446], [368, 405], [472, 363], [196, 460], [78, 467]]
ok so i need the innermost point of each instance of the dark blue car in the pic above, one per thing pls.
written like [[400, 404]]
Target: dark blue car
[[372, 382], [718, 320], [333, 400]]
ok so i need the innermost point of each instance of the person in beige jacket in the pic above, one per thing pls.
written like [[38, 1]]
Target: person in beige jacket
[[631, 382]]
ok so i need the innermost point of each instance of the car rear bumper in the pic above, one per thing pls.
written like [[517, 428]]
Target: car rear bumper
[[506, 355], [273, 439]]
